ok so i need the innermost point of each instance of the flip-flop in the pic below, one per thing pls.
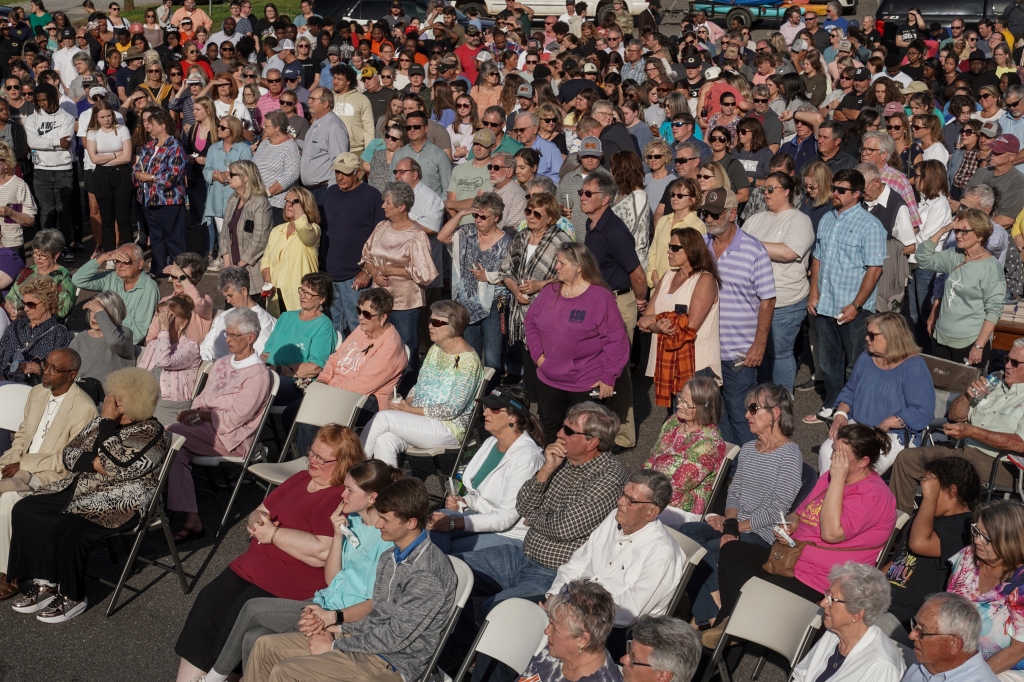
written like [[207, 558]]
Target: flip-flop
[[188, 535]]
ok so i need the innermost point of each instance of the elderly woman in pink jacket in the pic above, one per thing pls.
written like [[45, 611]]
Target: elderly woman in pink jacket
[[173, 357], [224, 418]]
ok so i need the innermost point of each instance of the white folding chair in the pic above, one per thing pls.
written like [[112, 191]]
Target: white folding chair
[[465, 586], [321, 405], [883, 554], [512, 633], [256, 452], [204, 373], [155, 518], [723, 472], [793, 624], [435, 453], [12, 405], [694, 553]]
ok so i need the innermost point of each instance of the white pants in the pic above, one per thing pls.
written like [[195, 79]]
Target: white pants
[[1010, 676], [390, 432], [7, 501], [881, 466]]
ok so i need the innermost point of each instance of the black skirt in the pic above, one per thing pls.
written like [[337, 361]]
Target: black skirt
[[51, 545]]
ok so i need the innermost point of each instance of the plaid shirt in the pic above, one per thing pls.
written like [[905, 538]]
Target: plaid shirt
[[169, 164], [675, 359], [898, 181], [563, 511], [848, 244]]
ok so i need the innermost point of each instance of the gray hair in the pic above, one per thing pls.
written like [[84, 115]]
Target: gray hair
[[278, 118], [807, 107], [401, 194], [1017, 90], [84, 57], [605, 183], [657, 483], [327, 96], [506, 159], [675, 647], [243, 320], [633, 42], [546, 184], [983, 193], [453, 311], [135, 249], [414, 166], [490, 202], [885, 142], [869, 171], [835, 7], [771, 396], [590, 609], [597, 421], [760, 90], [113, 306], [957, 616], [49, 241], [864, 589], [235, 278], [530, 117], [1018, 342], [601, 105], [680, 146]]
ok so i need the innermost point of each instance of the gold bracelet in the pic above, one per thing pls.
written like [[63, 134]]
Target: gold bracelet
[[276, 528]]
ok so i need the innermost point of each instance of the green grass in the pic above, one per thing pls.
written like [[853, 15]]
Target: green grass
[[220, 11]]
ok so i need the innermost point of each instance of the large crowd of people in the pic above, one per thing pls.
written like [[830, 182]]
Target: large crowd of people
[[404, 208]]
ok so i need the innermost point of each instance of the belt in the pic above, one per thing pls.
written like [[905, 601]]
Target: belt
[[621, 292], [316, 186]]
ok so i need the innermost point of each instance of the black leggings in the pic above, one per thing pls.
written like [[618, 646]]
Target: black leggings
[[739, 562], [552, 404], [112, 186], [212, 616]]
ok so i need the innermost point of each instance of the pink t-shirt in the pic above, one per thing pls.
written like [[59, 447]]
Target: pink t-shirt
[[869, 516]]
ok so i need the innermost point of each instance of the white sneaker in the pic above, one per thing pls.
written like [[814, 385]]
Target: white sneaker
[[62, 609]]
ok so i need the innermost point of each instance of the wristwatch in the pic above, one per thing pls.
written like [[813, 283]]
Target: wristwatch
[[451, 524], [858, 307], [339, 616]]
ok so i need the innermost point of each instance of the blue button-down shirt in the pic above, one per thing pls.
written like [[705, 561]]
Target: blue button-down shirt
[[636, 72], [848, 244], [550, 158], [974, 669], [1014, 126]]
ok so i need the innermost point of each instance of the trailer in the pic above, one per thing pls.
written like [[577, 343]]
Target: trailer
[[752, 11]]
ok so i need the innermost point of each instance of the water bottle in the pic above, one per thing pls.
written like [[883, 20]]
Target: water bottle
[[991, 382]]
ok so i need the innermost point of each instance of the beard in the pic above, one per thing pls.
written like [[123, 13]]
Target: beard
[[836, 203]]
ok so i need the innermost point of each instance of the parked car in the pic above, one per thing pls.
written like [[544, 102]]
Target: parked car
[[375, 10], [894, 12]]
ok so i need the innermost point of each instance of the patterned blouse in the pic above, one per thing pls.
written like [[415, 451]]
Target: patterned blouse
[[169, 164], [446, 388], [691, 462], [466, 288], [24, 343], [1001, 608], [380, 177]]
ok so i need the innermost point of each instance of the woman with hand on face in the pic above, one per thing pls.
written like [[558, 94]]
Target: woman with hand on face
[[185, 274], [292, 249], [106, 346], [174, 357]]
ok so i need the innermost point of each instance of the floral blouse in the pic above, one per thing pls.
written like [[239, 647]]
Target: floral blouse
[[1001, 608], [446, 388], [691, 462], [170, 165]]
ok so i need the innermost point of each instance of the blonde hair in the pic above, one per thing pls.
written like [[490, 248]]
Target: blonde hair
[[254, 183], [235, 126], [137, 389], [211, 110], [721, 177], [308, 204], [899, 340], [45, 289], [978, 221], [7, 157]]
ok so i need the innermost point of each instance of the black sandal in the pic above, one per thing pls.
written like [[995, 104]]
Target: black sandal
[[184, 535]]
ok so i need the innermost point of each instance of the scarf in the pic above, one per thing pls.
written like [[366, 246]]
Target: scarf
[[517, 267], [675, 360]]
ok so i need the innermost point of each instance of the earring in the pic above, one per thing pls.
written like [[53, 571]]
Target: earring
[[511, 425], [580, 649]]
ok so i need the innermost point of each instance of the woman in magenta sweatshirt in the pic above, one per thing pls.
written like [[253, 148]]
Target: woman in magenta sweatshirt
[[576, 337]]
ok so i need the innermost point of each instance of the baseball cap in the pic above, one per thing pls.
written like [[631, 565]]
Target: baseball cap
[[472, 30], [346, 162], [541, 71], [500, 400], [731, 52], [712, 73], [976, 54], [484, 137], [1005, 144], [185, 20], [590, 146], [799, 45], [367, 73], [417, 70], [67, 33], [861, 74], [132, 53], [914, 87], [589, 68], [285, 45], [88, 81], [845, 46], [691, 62], [292, 71], [334, 49], [93, 92], [396, 3], [448, 64], [484, 56], [525, 90], [891, 109], [532, 44], [718, 200], [991, 129]]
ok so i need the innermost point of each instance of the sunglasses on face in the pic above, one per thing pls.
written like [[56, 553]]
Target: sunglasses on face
[[840, 190], [718, 138], [30, 305], [492, 125], [588, 193], [495, 167], [392, 138], [758, 100], [704, 214], [728, 104], [705, 176], [655, 156], [434, 322]]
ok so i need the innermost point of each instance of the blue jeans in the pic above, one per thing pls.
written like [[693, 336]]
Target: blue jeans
[[779, 366], [505, 572], [460, 540], [919, 305], [407, 322], [344, 308], [736, 384], [704, 607], [839, 346], [486, 339]]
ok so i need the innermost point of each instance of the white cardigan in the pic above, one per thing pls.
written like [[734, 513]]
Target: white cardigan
[[875, 657], [494, 498]]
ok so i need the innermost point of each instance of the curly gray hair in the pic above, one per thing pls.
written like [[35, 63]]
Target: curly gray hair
[[584, 607], [490, 202], [864, 589], [401, 195], [235, 278]]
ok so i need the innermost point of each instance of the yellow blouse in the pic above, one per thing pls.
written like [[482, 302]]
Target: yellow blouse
[[657, 255], [291, 258]]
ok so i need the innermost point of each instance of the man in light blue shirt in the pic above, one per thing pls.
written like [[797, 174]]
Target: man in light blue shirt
[[138, 290], [1012, 121], [946, 642], [525, 130]]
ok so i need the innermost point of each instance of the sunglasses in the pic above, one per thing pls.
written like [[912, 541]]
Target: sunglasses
[[675, 248], [752, 408], [840, 190], [496, 167], [704, 214], [276, 80], [728, 104], [705, 176], [415, 126], [366, 314], [548, 120], [760, 100], [464, 105], [533, 61], [569, 433], [30, 305], [392, 138], [718, 138], [896, 128], [871, 336], [434, 322], [536, 214], [286, 103], [1014, 363], [679, 124], [919, 127], [492, 125], [985, 95], [153, 71], [588, 193], [519, 131], [220, 127]]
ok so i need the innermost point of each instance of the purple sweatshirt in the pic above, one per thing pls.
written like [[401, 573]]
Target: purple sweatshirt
[[582, 339]]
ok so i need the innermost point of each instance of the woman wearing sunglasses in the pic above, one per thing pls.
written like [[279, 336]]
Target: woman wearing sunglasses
[[965, 159], [34, 333], [229, 148]]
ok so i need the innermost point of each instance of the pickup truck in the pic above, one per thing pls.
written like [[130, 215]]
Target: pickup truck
[[596, 9], [894, 12], [752, 11]]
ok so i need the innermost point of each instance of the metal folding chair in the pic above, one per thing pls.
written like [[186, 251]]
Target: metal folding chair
[[512, 633], [694, 553], [723, 472]]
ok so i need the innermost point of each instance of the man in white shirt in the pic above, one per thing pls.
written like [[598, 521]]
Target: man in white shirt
[[226, 34], [427, 210], [631, 554], [63, 59], [233, 283], [54, 414]]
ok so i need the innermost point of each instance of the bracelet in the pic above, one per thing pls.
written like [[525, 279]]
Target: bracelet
[[276, 528], [731, 527]]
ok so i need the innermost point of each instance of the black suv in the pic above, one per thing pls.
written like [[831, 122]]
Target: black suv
[[894, 12]]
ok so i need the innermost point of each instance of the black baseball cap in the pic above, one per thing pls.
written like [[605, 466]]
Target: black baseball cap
[[500, 400]]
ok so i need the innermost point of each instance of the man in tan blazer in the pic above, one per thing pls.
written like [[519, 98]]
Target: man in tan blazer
[[55, 413]]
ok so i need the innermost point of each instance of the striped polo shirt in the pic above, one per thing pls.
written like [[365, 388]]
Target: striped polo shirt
[[746, 272]]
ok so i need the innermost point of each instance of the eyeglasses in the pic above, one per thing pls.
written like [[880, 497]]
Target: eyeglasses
[[492, 125], [728, 104], [985, 95], [307, 293], [366, 314], [635, 502], [31, 305], [832, 600], [317, 458], [704, 214], [286, 103], [655, 156], [841, 190], [967, 132], [705, 176], [434, 322], [588, 193], [916, 627], [276, 80], [569, 433], [979, 535], [869, 150], [1014, 363]]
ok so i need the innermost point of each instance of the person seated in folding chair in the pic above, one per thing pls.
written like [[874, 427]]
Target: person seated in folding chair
[[54, 414], [945, 635], [437, 411], [662, 649], [853, 648], [987, 420], [562, 504], [173, 357], [112, 469], [233, 284], [291, 536], [580, 616], [370, 361], [412, 601], [890, 388], [352, 562], [631, 555], [941, 527], [485, 515], [106, 346], [848, 516], [223, 419]]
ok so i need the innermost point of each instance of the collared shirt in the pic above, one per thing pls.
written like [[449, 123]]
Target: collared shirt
[[270, 102], [550, 158], [902, 229], [435, 165], [428, 211], [1014, 126], [747, 279], [562, 512], [140, 301], [640, 570], [49, 414], [898, 181], [326, 138], [637, 72], [974, 669], [848, 244], [614, 249], [515, 205], [999, 411], [403, 554]]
